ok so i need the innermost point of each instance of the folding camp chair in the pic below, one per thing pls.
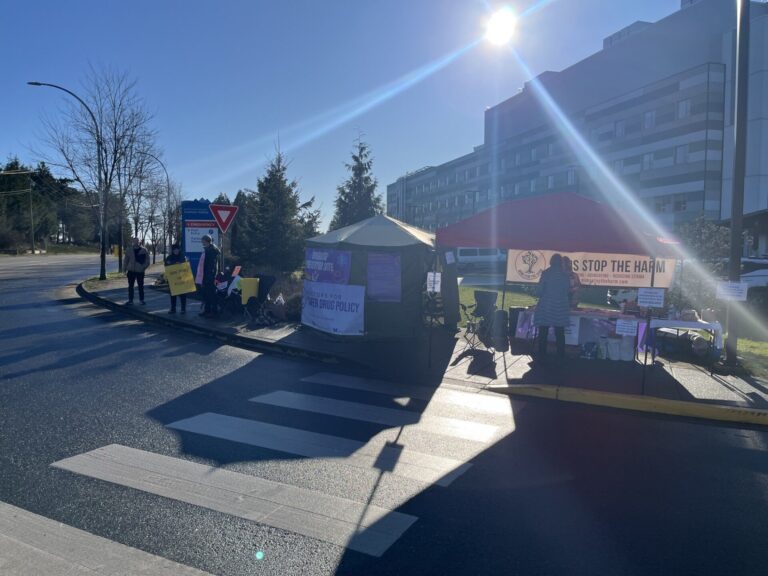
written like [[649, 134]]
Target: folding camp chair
[[479, 318]]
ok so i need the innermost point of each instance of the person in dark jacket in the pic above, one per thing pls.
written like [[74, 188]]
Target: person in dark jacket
[[575, 283], [135, 263], [176, 257], [553, 308], [206, 273]]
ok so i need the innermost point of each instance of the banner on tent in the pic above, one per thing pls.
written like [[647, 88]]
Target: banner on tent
[[334, 308], [330, 266], [594, 269], [384, 277]]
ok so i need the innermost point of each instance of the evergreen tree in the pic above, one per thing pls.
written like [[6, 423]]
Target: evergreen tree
[[53, 205], [239, 231], [356, 198], [278, 223], [708, 243]]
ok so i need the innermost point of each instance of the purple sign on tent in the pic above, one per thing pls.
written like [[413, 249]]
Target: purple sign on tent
[[384, 277], [329, 266]]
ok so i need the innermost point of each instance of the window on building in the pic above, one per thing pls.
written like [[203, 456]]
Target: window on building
[[662, 205], [571, 177], [533, 185], [503, 165], [517, 188], [551, 149], [680, 205], [684, 108], [534, 154], [518, 158], [649, 119], [618, 166], [620, 128], [648, 161], [550, 181], [681, 154]]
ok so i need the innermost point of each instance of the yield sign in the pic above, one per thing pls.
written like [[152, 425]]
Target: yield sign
[[223, 214]]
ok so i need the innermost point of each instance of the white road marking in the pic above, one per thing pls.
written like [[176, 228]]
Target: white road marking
[[470, 400], [32, 544], [378, 415], [376, 453], [362, 527]]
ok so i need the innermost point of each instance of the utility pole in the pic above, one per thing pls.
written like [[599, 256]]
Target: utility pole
[[31, 217], [739, 168]]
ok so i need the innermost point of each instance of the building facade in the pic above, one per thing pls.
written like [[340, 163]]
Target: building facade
[[655, 105]]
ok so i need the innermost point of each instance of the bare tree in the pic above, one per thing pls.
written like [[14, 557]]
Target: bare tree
[[134, 166], [92, 140]]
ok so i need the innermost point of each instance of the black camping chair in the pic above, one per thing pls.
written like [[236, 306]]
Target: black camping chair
[[479, 318], [255, 308]]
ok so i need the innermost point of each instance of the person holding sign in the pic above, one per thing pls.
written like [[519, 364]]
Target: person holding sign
[[553, 308], [176, 257]]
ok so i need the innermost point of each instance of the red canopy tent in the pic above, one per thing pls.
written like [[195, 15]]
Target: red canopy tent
[[563, 222]]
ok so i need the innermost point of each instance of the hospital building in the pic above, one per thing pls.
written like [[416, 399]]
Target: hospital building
[[655, 105]]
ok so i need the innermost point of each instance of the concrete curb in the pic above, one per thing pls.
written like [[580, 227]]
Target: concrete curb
[[254, 344], [635, 403]]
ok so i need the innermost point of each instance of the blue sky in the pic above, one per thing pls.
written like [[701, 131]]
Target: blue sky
[[224, 79]]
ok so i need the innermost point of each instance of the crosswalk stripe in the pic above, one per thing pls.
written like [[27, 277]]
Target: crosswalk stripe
[[364, 528], [376, 453], [33, 544], [469, 400], [378, 415]]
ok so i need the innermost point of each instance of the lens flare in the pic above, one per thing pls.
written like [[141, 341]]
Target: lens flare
[[501, 26]]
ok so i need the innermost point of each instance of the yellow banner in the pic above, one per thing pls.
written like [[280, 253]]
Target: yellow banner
[[593, 269], [180, 279]]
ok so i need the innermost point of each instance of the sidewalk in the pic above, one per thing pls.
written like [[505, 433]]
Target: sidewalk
[[676, 388]]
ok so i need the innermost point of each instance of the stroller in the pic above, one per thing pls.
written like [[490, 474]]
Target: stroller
[[256, 307], [228, 301]]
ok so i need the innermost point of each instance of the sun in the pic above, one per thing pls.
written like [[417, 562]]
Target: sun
[[501, 26]]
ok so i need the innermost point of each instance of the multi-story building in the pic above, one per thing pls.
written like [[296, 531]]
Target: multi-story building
[[655, 105]]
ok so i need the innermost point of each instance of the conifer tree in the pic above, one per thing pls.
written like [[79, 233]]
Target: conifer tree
[[356, 198]]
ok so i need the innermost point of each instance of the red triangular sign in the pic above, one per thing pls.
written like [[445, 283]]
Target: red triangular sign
[[224, 214]]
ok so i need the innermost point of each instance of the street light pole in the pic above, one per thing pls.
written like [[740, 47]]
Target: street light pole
[[167, 200], [99, 164], [739, 167]]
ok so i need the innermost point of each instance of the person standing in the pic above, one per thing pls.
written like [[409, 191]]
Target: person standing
[[207, 269], [553, 308], [176, 257], [135, 264]]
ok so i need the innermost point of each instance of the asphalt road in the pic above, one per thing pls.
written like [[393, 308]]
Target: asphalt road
[[479, 486]]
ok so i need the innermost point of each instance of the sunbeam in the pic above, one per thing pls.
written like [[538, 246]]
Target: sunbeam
[[306, 131], [615, 192]]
